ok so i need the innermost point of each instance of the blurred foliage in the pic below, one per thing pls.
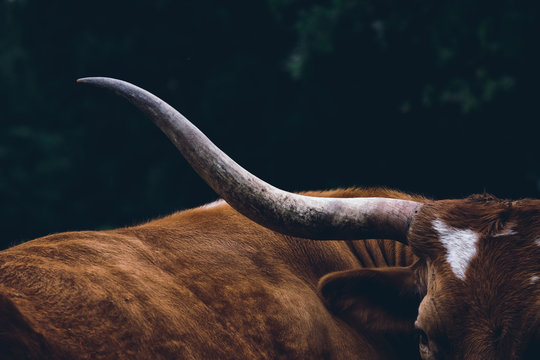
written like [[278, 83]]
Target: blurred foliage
[[431, 97]]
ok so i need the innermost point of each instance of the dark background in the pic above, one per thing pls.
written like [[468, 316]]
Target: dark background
[[432, 97]]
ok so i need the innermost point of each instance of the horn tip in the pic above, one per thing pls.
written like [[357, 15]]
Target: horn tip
[[92, 80], [116, 85]]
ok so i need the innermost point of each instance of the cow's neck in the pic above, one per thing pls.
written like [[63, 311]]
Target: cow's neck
[[381, 253]]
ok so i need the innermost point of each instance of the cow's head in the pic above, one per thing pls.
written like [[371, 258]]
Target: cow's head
[[474, 293]]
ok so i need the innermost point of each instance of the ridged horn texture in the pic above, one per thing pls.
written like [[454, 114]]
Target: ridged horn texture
[[288, 213]]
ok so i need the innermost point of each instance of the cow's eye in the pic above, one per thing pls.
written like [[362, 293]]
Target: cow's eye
[[422, 337], [423, 343]]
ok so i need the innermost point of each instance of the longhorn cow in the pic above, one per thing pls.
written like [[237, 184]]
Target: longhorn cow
[[245, 279]]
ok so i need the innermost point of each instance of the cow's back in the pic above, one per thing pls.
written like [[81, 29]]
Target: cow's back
[[204, 283]]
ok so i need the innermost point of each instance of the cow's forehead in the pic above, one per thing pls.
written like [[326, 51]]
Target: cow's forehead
[[481, 277], [499, 235]]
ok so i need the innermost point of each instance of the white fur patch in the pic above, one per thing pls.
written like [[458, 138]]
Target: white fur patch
[[534, 279], [213, 204], [460, 246], [537, 241]]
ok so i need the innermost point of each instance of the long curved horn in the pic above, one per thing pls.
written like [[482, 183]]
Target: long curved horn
[[285, 212]]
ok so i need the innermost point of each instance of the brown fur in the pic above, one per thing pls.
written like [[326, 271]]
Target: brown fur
[[204, 283]]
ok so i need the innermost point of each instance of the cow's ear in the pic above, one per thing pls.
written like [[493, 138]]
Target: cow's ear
[[378, 302]]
